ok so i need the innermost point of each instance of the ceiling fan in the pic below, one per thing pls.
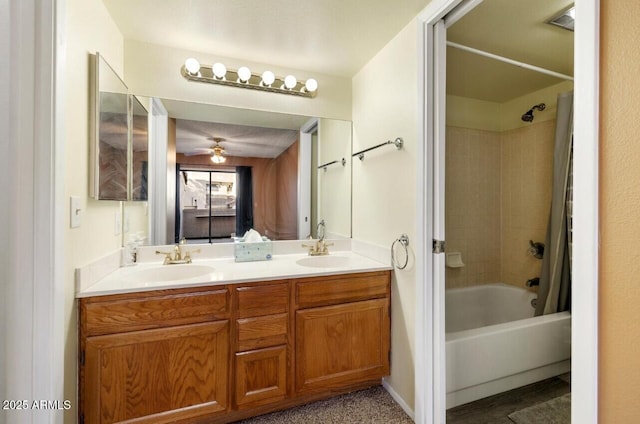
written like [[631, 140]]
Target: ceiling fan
[[216, 151]]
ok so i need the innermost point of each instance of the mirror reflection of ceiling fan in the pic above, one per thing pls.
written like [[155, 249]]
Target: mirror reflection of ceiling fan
[[216, 151]]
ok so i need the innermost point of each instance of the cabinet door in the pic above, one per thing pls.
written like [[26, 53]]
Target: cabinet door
[[157, 376], [261, 376], [342, 344]]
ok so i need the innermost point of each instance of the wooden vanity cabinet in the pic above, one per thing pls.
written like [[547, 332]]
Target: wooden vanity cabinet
[[342, 331], [155, 357], [261, 344], [223, 353]]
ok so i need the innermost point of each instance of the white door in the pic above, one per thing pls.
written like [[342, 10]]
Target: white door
[[430, 407], [430, 346]]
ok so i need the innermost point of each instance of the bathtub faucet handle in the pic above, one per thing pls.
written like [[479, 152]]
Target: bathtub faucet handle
[[536, 249], [533, 282]]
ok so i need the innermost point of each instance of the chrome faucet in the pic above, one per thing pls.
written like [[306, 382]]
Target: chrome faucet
[[320, 248], [178, 256]]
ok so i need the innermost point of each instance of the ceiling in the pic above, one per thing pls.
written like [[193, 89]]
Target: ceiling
[[338, 37], [237, 140], [245, 132], [334, 37], [516, 29]]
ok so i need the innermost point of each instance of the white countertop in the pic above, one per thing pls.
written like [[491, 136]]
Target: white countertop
[[226, 271]]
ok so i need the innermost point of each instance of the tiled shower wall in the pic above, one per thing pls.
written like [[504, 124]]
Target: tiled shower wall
[[498, 193]]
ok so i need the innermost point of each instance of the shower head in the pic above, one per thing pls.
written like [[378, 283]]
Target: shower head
[[528, 116]]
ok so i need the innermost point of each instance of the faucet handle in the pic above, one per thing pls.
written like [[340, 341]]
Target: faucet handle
[[187, 255], [312, 248], [325, 245], [167, 256]]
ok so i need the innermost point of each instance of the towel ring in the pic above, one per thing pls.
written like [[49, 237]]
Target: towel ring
[[404, 241]]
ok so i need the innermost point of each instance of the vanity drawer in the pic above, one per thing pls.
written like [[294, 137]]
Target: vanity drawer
[[264, 299], [126, 313], [320, 291], [264, 331]]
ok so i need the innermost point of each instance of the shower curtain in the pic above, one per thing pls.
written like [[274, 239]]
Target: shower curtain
[[554, 293]]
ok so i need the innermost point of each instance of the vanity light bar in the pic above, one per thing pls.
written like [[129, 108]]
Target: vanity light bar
[[217, 73]]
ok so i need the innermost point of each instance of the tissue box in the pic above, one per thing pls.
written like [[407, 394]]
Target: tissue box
[[248, 252]]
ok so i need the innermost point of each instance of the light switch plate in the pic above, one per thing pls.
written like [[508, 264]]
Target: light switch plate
[[75, 212]]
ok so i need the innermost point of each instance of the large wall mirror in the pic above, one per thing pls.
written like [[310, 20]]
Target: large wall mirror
[[229, 170]]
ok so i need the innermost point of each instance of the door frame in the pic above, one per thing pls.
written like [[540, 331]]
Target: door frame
[[430, 402]]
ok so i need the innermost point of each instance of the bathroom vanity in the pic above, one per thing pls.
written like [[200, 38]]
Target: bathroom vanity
[[225, 351]]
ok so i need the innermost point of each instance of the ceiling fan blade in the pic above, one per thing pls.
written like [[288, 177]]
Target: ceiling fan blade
[[199, 152]]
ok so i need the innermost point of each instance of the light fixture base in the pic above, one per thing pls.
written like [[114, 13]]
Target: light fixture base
[[254, 82]]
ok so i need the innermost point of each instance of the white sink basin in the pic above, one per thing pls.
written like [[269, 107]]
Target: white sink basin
[[162, 273], [324, 261]]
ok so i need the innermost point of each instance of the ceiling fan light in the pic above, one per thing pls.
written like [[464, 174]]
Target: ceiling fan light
[[216, 158]]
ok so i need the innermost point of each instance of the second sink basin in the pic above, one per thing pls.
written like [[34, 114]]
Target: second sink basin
[[162, 273], [324, 261]]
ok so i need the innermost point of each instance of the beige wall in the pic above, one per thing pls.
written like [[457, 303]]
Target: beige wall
[[334, 205], [154, 71], [619, 289], [472, 205], [89, 28], [498, 194], [516, 175], [526, 165], [384, 184]]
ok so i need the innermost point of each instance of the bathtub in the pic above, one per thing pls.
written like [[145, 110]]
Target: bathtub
[[494, 343]]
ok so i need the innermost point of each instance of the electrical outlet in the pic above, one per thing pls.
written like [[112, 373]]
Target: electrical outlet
[[75, 212], [118, 223]]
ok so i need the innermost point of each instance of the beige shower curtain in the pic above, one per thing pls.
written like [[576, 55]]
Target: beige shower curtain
[[554, 293]]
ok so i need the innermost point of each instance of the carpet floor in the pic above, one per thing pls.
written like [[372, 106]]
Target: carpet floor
[[370, 406]]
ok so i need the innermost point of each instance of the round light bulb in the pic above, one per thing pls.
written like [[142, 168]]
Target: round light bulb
[[192, 66], [268, 78], [311, 85], [244, 74], [290, 82], [219, 70]]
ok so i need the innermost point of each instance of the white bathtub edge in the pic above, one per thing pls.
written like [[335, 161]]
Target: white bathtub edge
[[500, 385], [410, 412]]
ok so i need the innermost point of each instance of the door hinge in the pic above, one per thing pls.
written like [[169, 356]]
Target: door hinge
[[81, 419], [82, 357], [438, 246]]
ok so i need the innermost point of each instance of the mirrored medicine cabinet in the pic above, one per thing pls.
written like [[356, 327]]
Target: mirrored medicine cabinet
[[119, 139]]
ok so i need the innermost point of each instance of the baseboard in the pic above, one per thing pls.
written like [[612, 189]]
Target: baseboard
[[398, 399]]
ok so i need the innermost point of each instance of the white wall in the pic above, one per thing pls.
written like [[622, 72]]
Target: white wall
[[89, 28], [153, 70], [384, 184], [334, 143]]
